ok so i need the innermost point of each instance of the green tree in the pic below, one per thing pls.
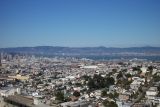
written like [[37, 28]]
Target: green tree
[[106, 103], [98, 82], [78, 84], [91, 84], [150, 68], [156, 78], [109, 81], [128, 75], [124, 70], [103, 93], [113, 104], [138, 68], [114, 70], [111, 95], [76, 94], [116, 94], [85, 77], [120, 75], [59, 96]]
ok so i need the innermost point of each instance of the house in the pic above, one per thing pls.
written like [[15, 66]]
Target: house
[[112, 88], [123, 104], [124, 96], [139, 105], [80, 103], [9, 91], [151, 93], [135, 85]]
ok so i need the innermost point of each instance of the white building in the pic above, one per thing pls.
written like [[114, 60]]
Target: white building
[[9, 91], [151, 93]]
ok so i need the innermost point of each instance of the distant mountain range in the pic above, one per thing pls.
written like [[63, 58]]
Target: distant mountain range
[[74, 51]]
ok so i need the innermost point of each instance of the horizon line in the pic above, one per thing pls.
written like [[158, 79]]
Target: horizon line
[[81, 46]]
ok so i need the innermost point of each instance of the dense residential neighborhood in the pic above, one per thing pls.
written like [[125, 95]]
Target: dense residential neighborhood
[[79, 53], [31, 81]]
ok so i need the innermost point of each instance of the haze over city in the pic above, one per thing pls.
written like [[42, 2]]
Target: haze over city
[[79, 23]]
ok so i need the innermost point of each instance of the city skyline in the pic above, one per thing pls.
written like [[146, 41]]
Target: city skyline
[[79, 23]]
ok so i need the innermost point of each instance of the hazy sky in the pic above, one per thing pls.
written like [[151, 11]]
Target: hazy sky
[[79, 23]]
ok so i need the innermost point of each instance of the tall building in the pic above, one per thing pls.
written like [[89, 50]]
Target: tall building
[[0, 59]]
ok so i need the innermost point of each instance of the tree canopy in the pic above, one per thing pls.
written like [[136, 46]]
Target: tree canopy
[[98, 82]]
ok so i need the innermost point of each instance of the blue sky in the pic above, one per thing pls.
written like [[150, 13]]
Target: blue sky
[[79, 23]]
